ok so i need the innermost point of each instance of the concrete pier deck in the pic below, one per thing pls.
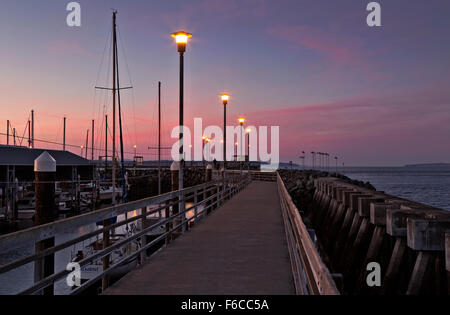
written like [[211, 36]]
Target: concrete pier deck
[[239, 250]]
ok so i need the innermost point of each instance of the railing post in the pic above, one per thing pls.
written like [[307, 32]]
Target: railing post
[[183, 220], [195, 206], [208, 193], [168, 224], [144, 225], [175, 172], [217, 196]]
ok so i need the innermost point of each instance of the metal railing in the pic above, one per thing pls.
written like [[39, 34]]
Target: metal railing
[[311, 276], [264, 176], [205, 198]]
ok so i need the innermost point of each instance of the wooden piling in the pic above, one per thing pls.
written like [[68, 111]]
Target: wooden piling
[[45, 212]]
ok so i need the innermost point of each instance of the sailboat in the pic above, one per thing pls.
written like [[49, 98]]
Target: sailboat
[[93, 269]]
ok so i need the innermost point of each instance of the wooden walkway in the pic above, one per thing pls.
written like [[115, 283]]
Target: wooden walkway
[[239, 250]]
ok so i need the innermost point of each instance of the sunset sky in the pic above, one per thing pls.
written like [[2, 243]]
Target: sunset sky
[[372, 96]]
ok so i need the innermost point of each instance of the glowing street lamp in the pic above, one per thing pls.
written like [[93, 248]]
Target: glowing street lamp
[[208, 145], [225, 98], [181, 39], [241, 122], [203, 150], [248, 131]]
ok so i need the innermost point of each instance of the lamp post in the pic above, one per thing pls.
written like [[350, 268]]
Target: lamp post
[[328, 162], [225, 99], [203, 150], [313, 159], [248, 131], [336, 158], [241, 123], [181, 39], [304, 157]]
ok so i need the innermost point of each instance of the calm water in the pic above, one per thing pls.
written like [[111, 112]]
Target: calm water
[[20, 279], [428, 185]]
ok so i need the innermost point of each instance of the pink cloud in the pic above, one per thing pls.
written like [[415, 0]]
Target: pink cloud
[[411, 125], [328, 44]]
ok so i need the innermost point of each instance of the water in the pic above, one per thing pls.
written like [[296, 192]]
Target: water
[[17, 280], [425, 184]]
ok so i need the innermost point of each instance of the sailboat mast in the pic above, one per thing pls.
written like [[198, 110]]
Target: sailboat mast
[[122, 160], [159, 138], [64, 135], [106, 144], [93, 139], [87, 143], [114, 111]]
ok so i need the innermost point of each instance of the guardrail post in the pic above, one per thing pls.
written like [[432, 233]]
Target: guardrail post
[[217, 196], [175, 173], [195, 206], [144, 225], [45, 212], [208, 193]]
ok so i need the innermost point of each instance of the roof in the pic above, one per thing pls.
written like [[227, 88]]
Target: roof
[[11, 155]]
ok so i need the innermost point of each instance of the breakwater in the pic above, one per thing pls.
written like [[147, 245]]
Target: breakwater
[[356, 225]]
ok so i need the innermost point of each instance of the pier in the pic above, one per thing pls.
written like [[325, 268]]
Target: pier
[[239, 249], [247, 233], [241, 234]]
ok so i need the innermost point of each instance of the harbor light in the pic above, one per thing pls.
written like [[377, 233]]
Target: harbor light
[[225, 98], [181, 38]]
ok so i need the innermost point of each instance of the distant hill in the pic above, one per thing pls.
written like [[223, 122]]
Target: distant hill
[[429, 165]]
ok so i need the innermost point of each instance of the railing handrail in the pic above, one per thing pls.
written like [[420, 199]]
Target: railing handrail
[[214, 193], [38, 233], [312, 269]]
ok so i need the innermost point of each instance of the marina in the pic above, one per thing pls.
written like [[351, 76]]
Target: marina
[[239, 152]]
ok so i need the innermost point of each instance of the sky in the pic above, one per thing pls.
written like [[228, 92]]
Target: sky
[[373, 96]]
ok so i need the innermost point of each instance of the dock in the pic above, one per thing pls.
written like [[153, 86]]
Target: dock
[[240, 249], [237, 235]]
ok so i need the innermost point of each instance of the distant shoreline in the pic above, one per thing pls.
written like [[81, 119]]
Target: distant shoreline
[[428, 165]]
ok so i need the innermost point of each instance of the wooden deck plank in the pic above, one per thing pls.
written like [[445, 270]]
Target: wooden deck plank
[[240, 249]]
